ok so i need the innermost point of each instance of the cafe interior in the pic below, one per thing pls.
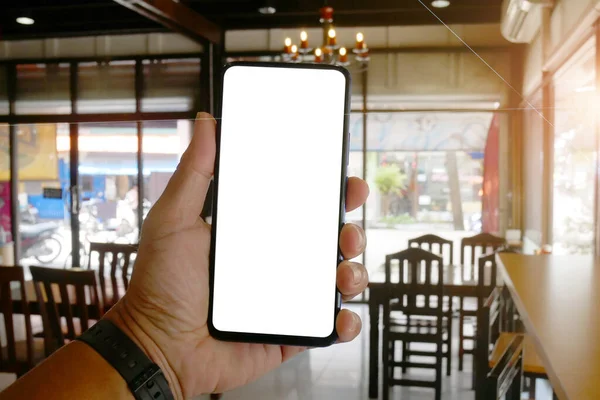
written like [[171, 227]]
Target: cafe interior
[[473, 121]]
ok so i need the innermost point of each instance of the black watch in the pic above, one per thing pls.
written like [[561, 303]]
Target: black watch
[[144, 378]]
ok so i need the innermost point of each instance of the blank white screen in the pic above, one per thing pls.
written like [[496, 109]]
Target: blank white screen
[[280, 171]]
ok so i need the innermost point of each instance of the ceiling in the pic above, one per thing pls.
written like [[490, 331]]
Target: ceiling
[[59, 18]]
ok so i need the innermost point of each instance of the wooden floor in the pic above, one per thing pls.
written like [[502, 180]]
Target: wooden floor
[[340, 372]]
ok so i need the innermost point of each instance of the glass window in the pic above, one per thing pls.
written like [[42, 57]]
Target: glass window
[[425, 171], [43, 89], [575, 154], [171, 85], [108, 176], [6, 249], [3, 91], [106, 87], [163, 143], [355, 162], [44, 222]]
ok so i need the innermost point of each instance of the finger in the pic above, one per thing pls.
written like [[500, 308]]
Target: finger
[[357, 192], [352, 241], [347, 325], [352, 279], [181, 203]]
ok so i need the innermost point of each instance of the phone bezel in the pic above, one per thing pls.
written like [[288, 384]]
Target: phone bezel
[[270, 338]]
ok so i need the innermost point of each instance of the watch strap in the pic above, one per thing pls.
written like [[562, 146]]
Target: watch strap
[[144, 378]]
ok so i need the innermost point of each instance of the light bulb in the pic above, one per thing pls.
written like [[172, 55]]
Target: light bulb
[[294, 48], [360, 37], [342, 51], [440, 3], [331, 33], [303, 36], [25, 21], [288, 42], [318, 52]]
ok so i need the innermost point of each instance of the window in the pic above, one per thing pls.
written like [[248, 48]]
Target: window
[[575, 156], [3, 91], [163, 143], [425, 171], [42, 89], [171, 85], [106, 87]]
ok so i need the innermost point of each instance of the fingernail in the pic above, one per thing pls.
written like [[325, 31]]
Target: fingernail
[[356, 320], [204, 115], [357, 272], [363, 238]]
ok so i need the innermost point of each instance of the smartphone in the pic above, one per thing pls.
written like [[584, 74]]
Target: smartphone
[[279, 203]]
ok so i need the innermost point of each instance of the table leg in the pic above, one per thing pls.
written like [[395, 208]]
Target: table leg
[[373, 346]]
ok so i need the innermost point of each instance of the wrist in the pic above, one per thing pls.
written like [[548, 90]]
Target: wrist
[[125, 319]]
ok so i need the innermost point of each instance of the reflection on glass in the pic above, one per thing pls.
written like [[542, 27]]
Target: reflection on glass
[[108, 182], [106, 87], [171, 85], [44, 220], [3, 91], [425, 171], [163, 143], [575, 154], [42, 89]]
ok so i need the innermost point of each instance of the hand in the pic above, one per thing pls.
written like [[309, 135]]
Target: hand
[[166, 307]]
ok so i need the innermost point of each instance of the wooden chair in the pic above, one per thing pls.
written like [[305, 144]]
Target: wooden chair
[[417, 297], [492, 345], [79, 299], [113, 283], [485, 283], [22, 352], [476, 246], [435, 244]]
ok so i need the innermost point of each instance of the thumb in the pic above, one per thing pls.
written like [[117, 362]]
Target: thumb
[[180, 204]]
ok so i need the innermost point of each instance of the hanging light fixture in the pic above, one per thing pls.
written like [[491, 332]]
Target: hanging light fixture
[[329, 51]]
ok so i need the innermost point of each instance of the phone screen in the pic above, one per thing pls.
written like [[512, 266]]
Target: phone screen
[[279, 206]]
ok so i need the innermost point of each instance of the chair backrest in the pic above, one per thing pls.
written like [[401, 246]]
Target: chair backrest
[[486, 282], [504, 381], [118, 255], [436, 245], [420, 275], [490, 322], [479, 245], [8, 359], [70, 293]]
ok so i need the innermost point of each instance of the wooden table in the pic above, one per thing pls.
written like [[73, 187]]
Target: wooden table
[[558, 298], [377, 295]]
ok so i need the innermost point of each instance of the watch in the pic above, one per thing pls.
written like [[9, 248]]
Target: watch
[[144, 378]]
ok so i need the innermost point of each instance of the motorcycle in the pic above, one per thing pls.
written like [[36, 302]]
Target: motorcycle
[[40, 240]]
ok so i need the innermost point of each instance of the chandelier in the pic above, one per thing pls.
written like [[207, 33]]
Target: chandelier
[[329, 52]]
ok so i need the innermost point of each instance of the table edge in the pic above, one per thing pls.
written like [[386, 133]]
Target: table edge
[[557, 385]]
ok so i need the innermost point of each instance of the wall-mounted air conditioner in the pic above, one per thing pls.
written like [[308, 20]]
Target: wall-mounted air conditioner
[[521, 19]]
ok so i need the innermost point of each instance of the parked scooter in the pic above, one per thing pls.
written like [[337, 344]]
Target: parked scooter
[[39, 239]]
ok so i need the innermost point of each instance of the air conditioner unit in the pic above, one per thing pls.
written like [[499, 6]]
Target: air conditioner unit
[[521, 19]]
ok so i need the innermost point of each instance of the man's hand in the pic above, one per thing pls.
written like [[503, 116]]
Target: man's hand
[[166, 307]]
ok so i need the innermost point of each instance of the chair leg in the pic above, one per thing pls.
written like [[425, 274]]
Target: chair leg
[[516, 388], [461, 349], [405, 350], [532, 382], [449, 348], [438, 372]]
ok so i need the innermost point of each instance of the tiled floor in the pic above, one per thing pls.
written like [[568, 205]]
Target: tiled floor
[[341, 372]]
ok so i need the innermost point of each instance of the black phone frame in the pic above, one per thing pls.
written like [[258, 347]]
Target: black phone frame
[[270, 338]]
